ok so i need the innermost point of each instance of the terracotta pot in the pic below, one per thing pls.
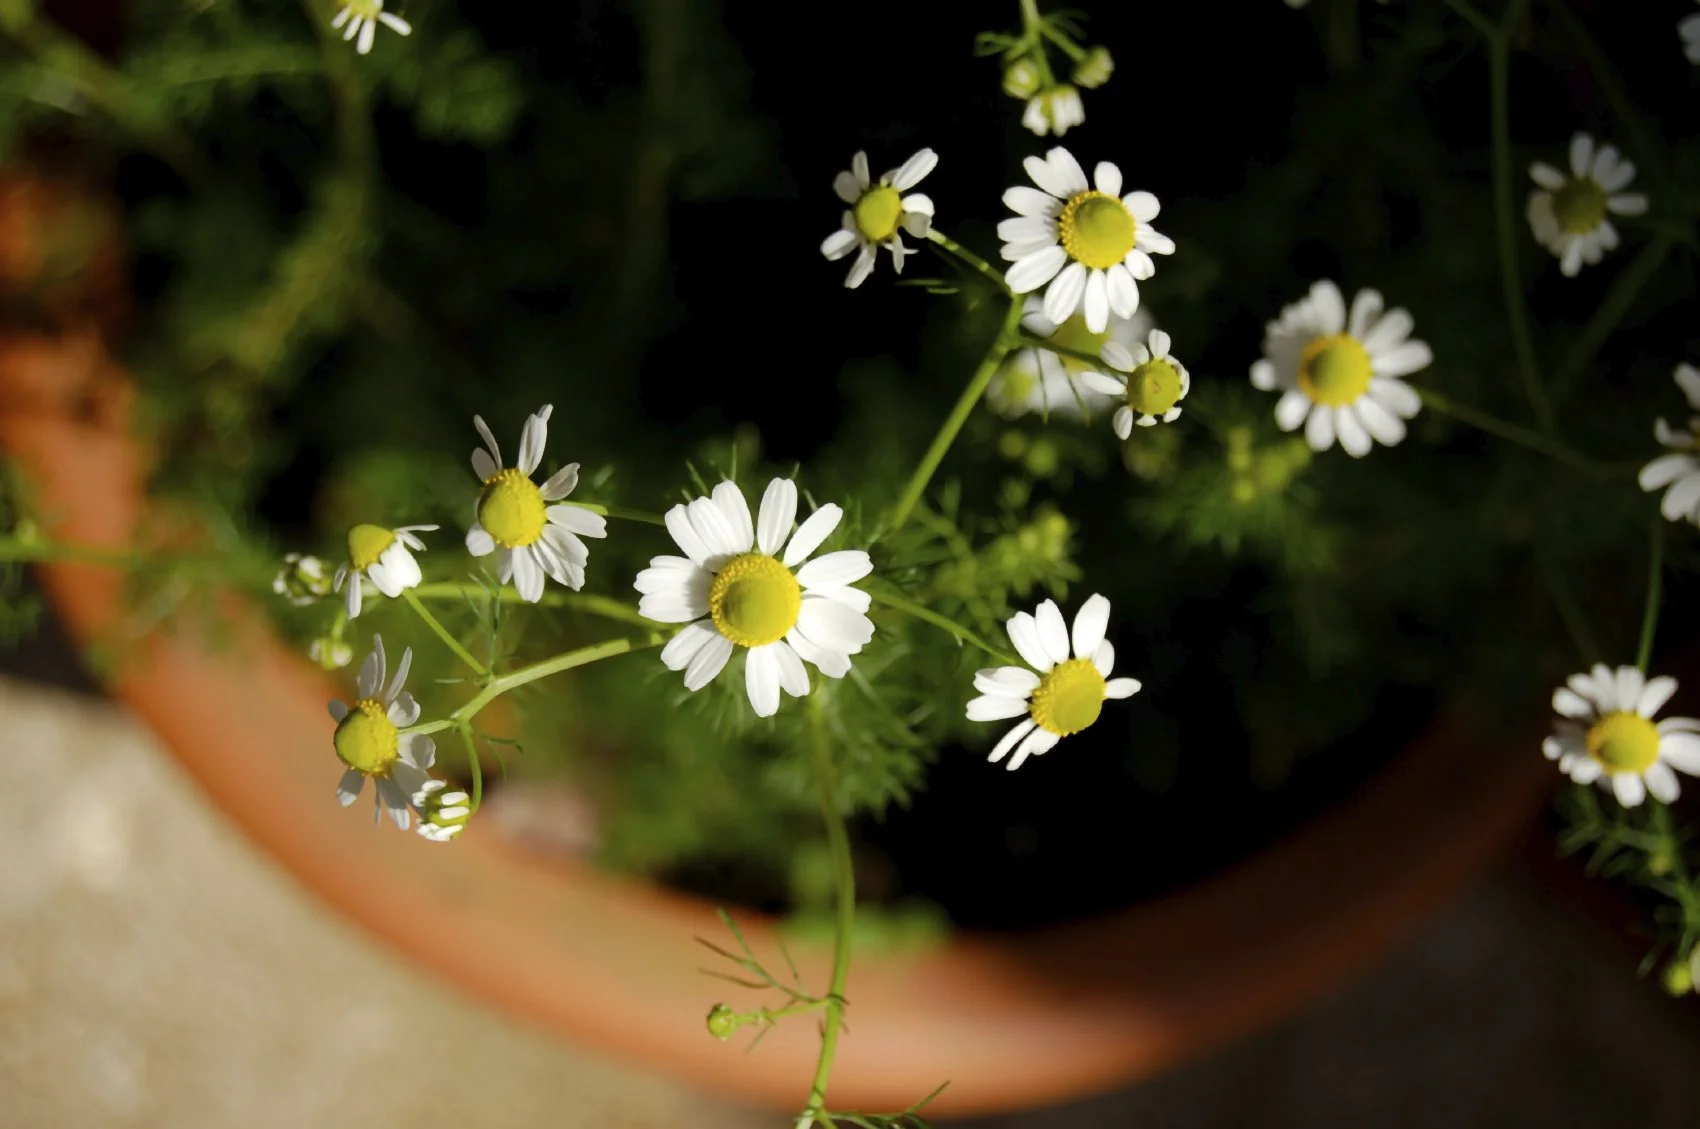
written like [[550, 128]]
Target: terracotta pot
[[1009, 1020]]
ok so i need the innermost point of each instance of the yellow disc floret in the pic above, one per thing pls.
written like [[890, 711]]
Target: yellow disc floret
[[1096, 229], [1623, 742], [1069, 698], [877, 213], [1580, 206], [1334, 370], [366, 543], [366, 740], [511, 509], [754, 600], [1153, 387]]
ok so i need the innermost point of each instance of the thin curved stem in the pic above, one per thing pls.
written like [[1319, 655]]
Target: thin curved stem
[[589, 603], [944, 623], [1516, 309], [584, 656], [472, 765], [995, 353], [844, 881], [1655, 584], [443, 633], [967, 258], [1511, 432]]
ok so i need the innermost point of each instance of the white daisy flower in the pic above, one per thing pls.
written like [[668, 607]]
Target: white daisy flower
[[734, 590], [1065, 694], [1152, 382], [302, 580], [1090, 243], [1056, 110], [383, 556], [368, 739], [443, 810], [1680, 470], [1038, 380], [1568, 213], [1606, 733], [1339, 374], [515, 520], [362, 17], [1689, 30], [878, 211]]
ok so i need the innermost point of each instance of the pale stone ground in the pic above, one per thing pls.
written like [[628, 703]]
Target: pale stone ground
[[157, 972]]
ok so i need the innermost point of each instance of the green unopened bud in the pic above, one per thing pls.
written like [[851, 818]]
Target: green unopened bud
[[302, 580], [443, 810], [1095, 69], [1021, 78], [1679, 978], [723, 1022], [330, 653]]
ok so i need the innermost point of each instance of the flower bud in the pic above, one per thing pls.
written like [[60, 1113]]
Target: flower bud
[[1021, 78], [330, 653], [1679, 978], [723, 1022], [1054, 111], [443, 810], [1094, 70], [302, 580]]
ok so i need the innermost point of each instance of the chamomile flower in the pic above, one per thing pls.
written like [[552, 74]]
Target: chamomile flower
[[1086, 239], [302, 580], [734, 589], [530, 537], [1038, 380], [879, 212], [383, 556], [1060, 695], [362, 17], [1568, 214], [370, 742], [1680, 470], [1606, 733], [1150, 381], [1057, 110], [1689, 31], [443, 810], [1339, 373]]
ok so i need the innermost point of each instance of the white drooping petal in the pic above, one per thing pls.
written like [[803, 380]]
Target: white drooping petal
[[761, 679], [778, 511], [1053, 631], [793, 675], [349, 787], [995, 707], [683, 647], [371, 677], [1008, 740], [1006, 681], [532, 439], [1090, 623], [528, 575], [479, 542], [832, 625], [835, 569], [1024, 635], [736, 509], [678, 523], [707, 662], [816, 528], [560, 484]]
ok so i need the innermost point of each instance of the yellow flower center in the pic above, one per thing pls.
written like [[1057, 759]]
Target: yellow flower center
[[366, 740], [366, 543], [1334, 370], [1624, 742], [754, 600], [1153, 387], [1580, 206], [1096, 229], [1073, 334], [366, 9], [877, 213], [511, 509], [1069, 698]]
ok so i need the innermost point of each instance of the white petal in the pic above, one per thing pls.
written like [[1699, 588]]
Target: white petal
[[707, 662], [1107, 178], [348, 788], [1143, 206], [1662, 783], [1024, 201], [1629, 788], [1062, 297], [1065, 173], [1396, 396], [560, 484], [1630, 683], [1104, 658], [1681, 751], [528, 576], [861, 268], [1023, 632], [778, 511], [1122, 422], [1386, 427], [840, 243], [1687, 378], [1546, 176], [1329, 306], [338, 710], [715, 527], [1654, 695], [1681, 499], [1036, 269], [1354, 439], [1053, 631], [1006, 681], [1402, 360], [368, 31], [761, 680], [1008, 740], [853, 598], [1366, 310], [1097, 300], [1090, 623], [844, 184], [1122, 687], [372, 671], [532, 439], [859, 169], [683, 647], [737, 510], [1319, 428], [390, 794], [1581, 155], [1568, 703], [1037, 742], [793, 675], [685, 536], [1123, 291], [830, 624], [843, 567], [816, 528], [393, 690], [833, 664], [483, 465], [576, 519], [914, 170], [1664, 470], [1264, 377], [995, 707]]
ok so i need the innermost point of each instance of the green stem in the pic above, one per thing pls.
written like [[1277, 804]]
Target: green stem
[[838, 842], [1499, 81], [944, 623], [472, 765], [976, 388], [604, 606], [1622, 295], [1068, 46], [496, 687], [1473, 17], [442, 632], [1511, 432], [968, 258], [620, 512], [16, 550], [1655, 582]]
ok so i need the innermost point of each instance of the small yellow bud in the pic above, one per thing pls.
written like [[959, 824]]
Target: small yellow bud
[[723, 1022], [1095, 69], [1021, 78], [1679, 978]]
